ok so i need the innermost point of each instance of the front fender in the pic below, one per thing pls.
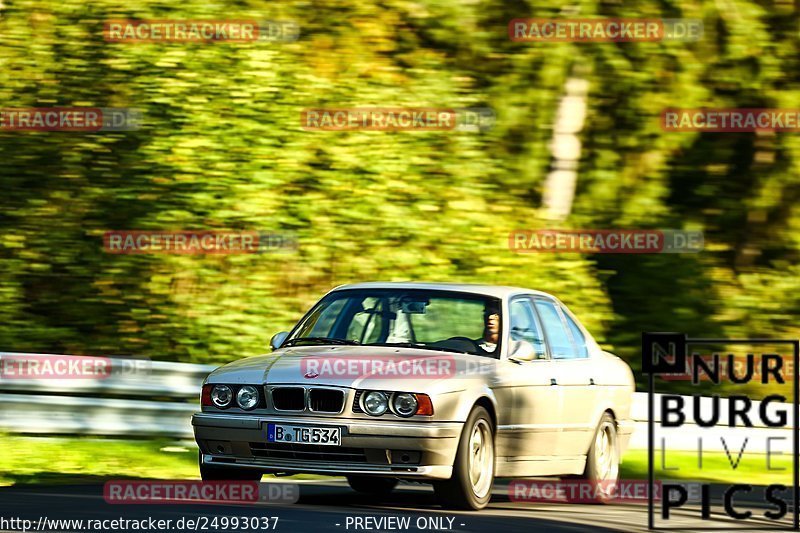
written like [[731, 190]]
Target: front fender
[[468, 398]]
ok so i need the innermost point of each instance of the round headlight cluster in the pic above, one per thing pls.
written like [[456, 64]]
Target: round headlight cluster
[[376, 403], [247, 397], [221, 396], [405, 404]]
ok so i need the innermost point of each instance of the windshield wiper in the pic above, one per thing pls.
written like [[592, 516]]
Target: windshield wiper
[[320, 340], [417, 345]]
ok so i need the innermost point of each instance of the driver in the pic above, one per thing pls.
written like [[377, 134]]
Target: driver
[[491, 330]]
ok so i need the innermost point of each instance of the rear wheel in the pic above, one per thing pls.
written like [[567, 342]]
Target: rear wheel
[[221, 473], [602, 462], [377, 486], [473, 470]]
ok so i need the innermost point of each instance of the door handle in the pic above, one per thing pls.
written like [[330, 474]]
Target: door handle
[[553, 381]]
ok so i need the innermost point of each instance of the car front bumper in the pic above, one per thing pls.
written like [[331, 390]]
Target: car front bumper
[[380, 447]]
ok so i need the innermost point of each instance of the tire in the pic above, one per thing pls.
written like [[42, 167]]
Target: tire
[[221, 473], [470, 487], [376, 486], [602, 461]]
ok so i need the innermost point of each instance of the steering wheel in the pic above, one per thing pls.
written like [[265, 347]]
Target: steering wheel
[[458, 344]]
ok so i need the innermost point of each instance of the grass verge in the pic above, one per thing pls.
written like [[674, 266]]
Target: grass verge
[[63, 460], [716, 467], [60, 460]]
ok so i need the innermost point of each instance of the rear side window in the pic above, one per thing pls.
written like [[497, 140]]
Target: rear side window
[[558, 337], [577, 336]]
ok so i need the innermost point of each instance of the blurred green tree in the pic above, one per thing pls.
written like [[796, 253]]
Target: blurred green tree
[[221, 147]]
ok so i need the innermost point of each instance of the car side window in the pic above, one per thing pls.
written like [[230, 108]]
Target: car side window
[[524, 326], [558, 337], [577, 336]]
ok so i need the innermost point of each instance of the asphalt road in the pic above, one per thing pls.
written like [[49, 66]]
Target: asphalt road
[[332, 506]]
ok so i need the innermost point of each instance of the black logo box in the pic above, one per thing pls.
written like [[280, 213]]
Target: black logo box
[[665, 353]]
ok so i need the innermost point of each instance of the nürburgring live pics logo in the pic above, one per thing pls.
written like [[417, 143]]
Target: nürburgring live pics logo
[[667, 354]]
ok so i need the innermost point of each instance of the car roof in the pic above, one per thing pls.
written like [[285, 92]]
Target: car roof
[[498, 291]]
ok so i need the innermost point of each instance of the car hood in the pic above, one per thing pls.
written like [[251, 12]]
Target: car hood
[[375, 367]]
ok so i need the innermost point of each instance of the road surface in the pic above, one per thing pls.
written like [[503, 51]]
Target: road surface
[[332, 506]]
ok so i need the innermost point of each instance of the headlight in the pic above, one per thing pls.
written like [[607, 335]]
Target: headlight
[[221, 395], [376, 403], [247, 397], [405, 404]]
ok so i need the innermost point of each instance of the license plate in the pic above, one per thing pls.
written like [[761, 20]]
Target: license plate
[[326, 436]]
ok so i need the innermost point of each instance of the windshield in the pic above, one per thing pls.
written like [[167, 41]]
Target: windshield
[[437, 320]]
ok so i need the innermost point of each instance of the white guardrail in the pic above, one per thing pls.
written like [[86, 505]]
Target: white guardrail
[[142, 398], [136, 398]]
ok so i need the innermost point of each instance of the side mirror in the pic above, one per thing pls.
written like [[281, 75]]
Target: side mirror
[[523, 351], [278, 339]]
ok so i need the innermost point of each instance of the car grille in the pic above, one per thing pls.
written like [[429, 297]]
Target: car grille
[[307, 452], [289, 398], [325, 400], [318, 400]]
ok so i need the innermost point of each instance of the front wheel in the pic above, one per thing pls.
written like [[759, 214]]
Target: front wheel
[[473, 470], [377, 486], [221, 473]]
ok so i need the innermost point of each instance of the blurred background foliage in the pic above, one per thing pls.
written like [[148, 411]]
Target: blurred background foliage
[[221, 147]]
